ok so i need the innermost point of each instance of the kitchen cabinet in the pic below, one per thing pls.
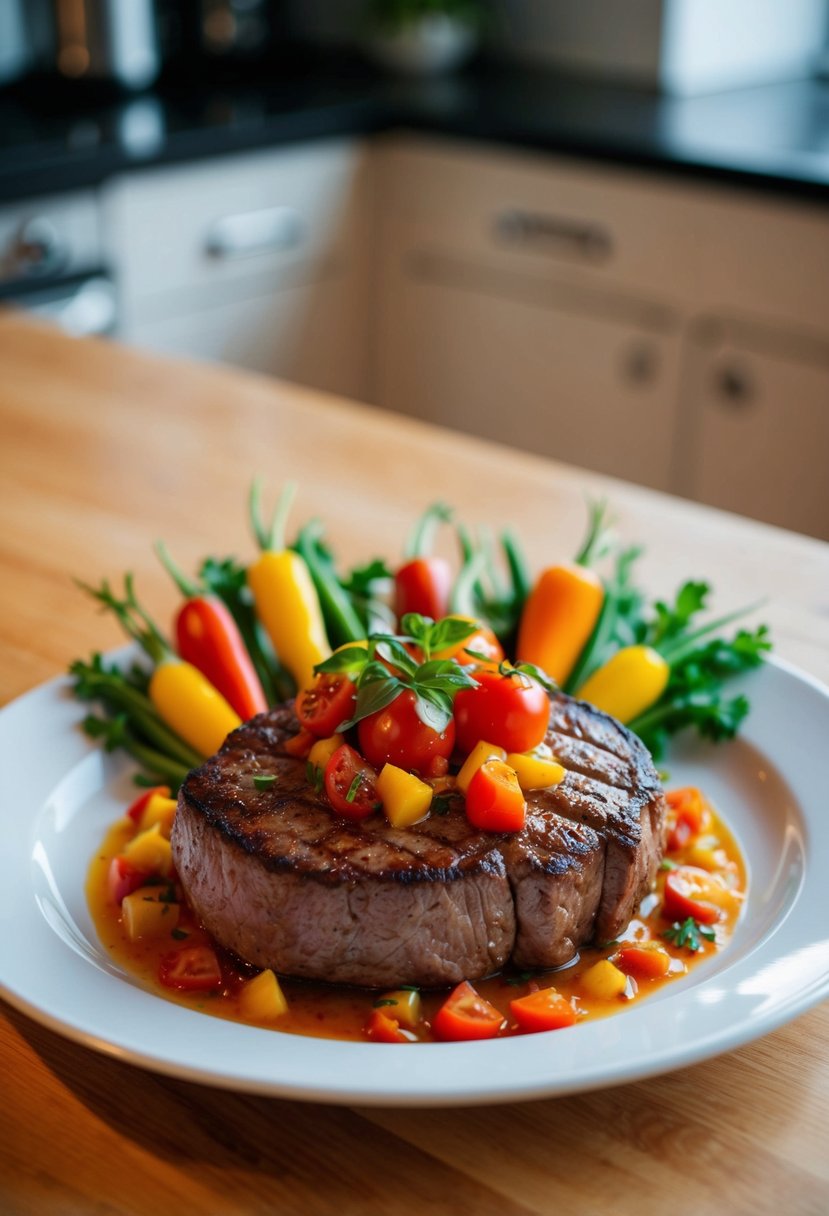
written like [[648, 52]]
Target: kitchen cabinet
[[260, 261], [567, 309], [756, 435]]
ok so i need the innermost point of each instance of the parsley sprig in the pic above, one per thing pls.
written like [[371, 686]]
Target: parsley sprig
[[688, 934], [434, 682]]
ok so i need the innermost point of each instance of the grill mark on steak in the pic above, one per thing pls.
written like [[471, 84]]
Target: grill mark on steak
[[282, 881]]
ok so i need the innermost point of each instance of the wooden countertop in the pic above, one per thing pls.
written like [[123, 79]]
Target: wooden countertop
[[103, 451]]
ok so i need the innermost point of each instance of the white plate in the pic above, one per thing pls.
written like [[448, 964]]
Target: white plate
[[59, 794]]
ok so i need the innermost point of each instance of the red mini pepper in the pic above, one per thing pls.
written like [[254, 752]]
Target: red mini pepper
[[208, 637], [423, 583]]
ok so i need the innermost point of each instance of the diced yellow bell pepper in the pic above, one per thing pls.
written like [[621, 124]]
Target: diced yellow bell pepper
[[538, 769], [405, 798], [707, 853], [160, 810], [262, 999], [479, 755], [403, 1004], [148, 912], [604, 981], [324, 749], [150, 852]]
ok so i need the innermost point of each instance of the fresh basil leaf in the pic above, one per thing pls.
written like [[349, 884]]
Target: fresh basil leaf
[[451, 631], [351, 659], [395, 652], [373, 697], [434, 708]]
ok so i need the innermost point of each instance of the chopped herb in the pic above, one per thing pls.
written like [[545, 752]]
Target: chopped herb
[[609, 945], [352, 789], [667, 864], [263, 781], [180, 934], [522, 977], [440, 804], [315, 776], [408, 988], [168, 895], [688, 934], [384, 1001]]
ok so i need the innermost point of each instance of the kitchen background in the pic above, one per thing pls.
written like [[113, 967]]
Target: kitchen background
[[593, 230]]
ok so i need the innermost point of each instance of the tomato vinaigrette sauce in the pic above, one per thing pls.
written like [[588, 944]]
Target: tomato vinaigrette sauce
[[689, 916]]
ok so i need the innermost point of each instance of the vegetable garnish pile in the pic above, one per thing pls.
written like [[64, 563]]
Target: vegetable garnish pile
[[403, 691]]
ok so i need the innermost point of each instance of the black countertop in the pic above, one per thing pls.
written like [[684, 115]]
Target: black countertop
[[774, 137]]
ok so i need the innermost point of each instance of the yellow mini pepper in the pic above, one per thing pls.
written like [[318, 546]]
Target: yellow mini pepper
[[628, 683], [286, 600]]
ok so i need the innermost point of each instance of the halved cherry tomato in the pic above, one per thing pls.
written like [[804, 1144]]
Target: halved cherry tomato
[[322, 708], [191, 969], [123, 878], [299, 745], [690, 891], [136, 809], [383, 1029], [396, 735], [648, 959], [494, 799], [482, 641], [351, 784], [466, 1015], [511, 710], [542, 1010]]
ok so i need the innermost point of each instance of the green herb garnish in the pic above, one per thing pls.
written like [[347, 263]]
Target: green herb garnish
[[688, 934], [263, 781], [352, 789]]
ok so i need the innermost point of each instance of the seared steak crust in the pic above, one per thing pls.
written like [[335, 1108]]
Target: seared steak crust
[[285, 883]]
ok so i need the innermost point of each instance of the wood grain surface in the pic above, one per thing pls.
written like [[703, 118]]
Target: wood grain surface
[[101, 452]]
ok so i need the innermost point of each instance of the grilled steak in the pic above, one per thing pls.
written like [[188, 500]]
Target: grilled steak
[[284, 883]]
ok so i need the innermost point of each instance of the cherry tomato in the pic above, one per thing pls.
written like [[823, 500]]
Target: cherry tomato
[[511, 711], [191, 969], [384, 1029], [690, 891], [542, 1010], [137, 808], [647, 959], [423, 585], [351, 784], [326, 704], [482, 641], [466, 1015], [494, 799], [396, 735]]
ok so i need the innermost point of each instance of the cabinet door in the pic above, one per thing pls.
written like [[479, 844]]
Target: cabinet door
[[758, 432], [582, 377]]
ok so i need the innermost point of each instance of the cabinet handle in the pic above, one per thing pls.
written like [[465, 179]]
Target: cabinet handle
[[734, 387], [554, 235], [274, 229]]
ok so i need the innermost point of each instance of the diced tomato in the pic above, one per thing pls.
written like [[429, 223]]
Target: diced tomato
[[647, 959], [466, 1015], [123, 878], [383, 1029], [300, 745], [191, 969], [690, 891], [137, 808], [322, 708], [542, 1010], [688, 816], [351, 784], [494, 799]]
